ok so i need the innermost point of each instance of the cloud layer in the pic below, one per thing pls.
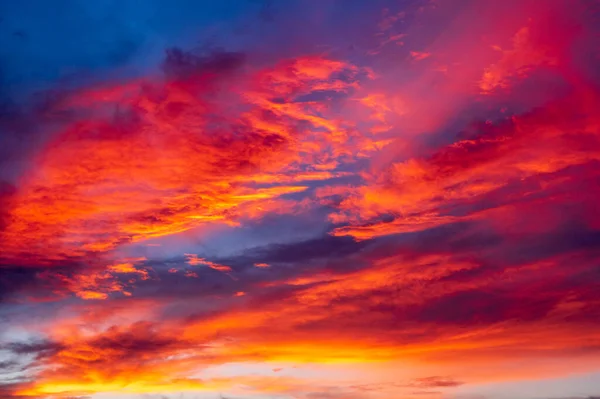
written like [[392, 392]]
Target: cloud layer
[[400, 207]]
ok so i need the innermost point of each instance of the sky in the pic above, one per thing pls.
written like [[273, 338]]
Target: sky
[[300, 199]]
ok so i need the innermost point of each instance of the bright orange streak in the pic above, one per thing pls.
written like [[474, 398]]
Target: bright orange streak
[[194, 260], [295, 329]]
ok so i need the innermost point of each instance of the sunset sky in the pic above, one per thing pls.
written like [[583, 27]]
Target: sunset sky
[[299, 199]]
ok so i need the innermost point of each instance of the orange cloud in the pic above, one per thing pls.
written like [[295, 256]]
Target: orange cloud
[[421, 192], [162, 165], [516, 62]]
